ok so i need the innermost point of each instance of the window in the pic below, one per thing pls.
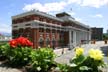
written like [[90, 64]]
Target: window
[[15, 26], [27, 24]]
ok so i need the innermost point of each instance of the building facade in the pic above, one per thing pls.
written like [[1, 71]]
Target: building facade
[[47, 30], [97, 33]]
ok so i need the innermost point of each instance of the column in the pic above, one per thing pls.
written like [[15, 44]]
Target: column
[[37, 37], [33, 37], [89, 35], [74, 38], [50, 37], [70, 39], [56, 36], [44, 37]]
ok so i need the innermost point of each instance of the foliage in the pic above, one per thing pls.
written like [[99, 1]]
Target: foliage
[[105, 36], [19, 56], [42, 59], [88, 63], [63, 67], [3, 50], [17, 51]]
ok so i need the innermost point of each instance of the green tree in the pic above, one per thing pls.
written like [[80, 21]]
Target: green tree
[[105, 36]]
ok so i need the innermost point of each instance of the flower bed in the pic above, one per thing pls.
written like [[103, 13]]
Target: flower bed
[[19, 53], [88, 63]]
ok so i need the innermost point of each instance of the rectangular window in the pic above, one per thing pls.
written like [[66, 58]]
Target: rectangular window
[[27, 24], [15, 26]]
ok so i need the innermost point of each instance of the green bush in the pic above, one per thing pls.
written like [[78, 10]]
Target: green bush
[[19, 56], [42, 59], [3, 51], [17, 52], [87, 63], [63, 67]]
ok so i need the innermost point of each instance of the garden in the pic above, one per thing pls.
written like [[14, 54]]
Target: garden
[[19, 53]]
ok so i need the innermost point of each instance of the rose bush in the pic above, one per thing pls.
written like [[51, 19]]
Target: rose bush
[[17, 51], [20, 42]]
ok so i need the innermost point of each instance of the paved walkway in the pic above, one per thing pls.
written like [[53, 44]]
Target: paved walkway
[[65, 58]]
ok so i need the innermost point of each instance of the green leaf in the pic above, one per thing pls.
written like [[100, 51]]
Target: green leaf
[[25, 59], [84, 68], [38, 68], [78, 60], [72, 65]]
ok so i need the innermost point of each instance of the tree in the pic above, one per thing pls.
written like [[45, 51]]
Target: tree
[[105, 36]]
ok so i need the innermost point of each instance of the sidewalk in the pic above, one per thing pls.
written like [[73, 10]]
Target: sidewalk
[[65, 58], [61, 51]]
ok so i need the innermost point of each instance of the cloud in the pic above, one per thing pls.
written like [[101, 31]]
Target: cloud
[[73, 1], [94, 3], [97, 16], [59, 6], [78, 19], [71, 13], [47, 7], [5, 28], [89, 3]]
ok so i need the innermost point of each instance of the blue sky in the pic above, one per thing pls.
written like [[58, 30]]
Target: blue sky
[[90, 12]]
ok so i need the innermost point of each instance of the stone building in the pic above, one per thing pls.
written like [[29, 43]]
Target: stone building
[[47, 30]]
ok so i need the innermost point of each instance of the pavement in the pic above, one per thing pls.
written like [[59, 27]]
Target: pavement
[[69, 54]]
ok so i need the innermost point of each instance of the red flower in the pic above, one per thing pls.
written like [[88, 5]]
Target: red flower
[[21, 41], [13, 43], [28, 43]]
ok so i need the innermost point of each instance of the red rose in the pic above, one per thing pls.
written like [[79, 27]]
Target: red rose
[[28, 43], [13, 43], [24, 41], [21, 41]]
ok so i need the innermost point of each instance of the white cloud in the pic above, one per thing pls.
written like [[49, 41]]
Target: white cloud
[[78, 19], [71, 13], [47, 7], [59, 6], [89, 3], [97, 16], [5, 28], [74, 1], [94, 3]]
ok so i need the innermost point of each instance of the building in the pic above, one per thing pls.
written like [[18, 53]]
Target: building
[[5, 38], [107, 31], [97, 33], [44, 29]]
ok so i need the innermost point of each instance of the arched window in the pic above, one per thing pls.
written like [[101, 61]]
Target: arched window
[[47, 41], [41, 42], [53, 43]]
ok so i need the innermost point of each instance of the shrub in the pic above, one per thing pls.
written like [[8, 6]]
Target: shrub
[[17, 51], [42, 59], [3, 51], [88, 63], [63, 67]]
